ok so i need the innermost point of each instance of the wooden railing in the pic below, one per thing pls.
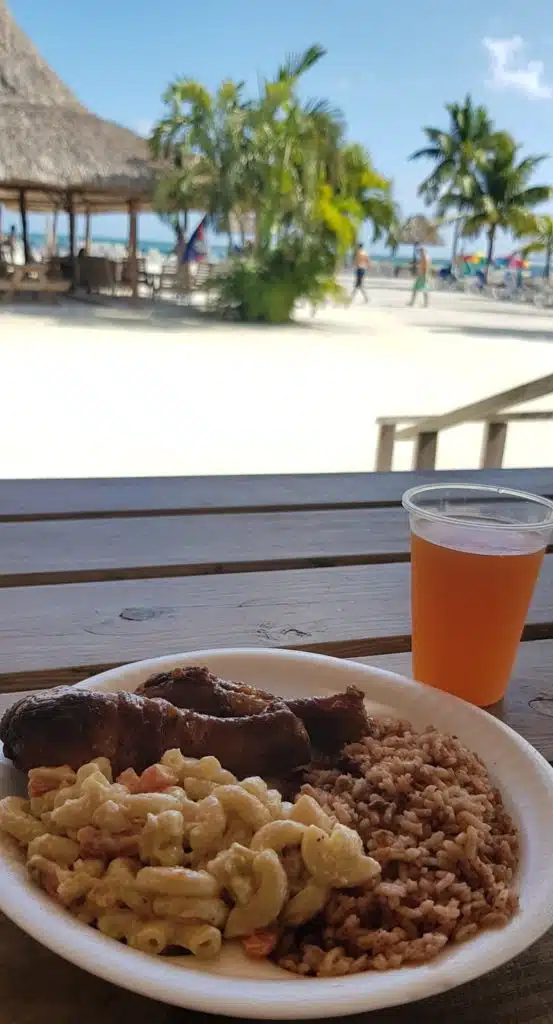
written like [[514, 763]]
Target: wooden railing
[[489, 411]]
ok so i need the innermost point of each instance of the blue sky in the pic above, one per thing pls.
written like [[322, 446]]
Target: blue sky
[[390, 66]]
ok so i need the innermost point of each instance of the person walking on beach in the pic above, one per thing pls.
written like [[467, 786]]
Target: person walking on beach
[[422, 274], [361, 264]]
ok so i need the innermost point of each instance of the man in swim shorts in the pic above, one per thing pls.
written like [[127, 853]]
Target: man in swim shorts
[[361, 264], [422, 274]]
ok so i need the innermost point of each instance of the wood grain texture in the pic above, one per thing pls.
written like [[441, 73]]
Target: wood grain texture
[[519, 993], [527, 708], [87, 550], [65, 551], [39, 499], [57, 634]]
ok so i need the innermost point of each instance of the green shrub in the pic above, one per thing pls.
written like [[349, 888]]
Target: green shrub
[[266, 286]]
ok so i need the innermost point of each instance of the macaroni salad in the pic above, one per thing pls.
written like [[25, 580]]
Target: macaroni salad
[[183, 855]]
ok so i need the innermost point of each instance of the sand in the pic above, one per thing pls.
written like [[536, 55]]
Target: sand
[[96, 391]]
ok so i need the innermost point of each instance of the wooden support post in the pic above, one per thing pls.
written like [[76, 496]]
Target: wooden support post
[[24, 231], [72, 260], [426, 446], [51, 235], [55, 233], [133, 242], [385, 447], [87, 232], [493, 445]]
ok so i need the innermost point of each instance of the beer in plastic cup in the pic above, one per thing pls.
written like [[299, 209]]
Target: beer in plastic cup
[[476, 553]]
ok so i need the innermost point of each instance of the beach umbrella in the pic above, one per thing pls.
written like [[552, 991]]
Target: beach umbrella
[[419, 230]]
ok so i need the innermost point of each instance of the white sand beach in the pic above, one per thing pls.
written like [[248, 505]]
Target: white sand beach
[[98, 391]]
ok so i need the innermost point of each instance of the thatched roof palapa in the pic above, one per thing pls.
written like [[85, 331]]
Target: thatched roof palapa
[[50, 144], [419, 230]]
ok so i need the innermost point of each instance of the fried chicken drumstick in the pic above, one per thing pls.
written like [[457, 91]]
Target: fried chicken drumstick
[[70, 726], [330, 721]]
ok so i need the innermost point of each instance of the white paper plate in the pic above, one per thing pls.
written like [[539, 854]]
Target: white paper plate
[[237, 986]]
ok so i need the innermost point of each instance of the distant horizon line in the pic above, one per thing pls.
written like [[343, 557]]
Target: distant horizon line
[[221, 241]]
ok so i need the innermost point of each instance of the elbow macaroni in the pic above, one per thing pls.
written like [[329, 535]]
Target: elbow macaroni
[[182, 855]]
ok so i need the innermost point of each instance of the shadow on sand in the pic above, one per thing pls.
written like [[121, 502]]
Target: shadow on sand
[[113, 313], [477, 331], [486, 307], [165, 315]]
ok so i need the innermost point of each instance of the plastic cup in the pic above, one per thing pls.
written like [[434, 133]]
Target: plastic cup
[[476, 553]]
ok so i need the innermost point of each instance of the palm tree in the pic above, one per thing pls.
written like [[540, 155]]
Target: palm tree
[[291, 147], [393, 237], [203, 137], [457, 153], [358, 178], [501, 196], [542, 241], [283, 160], [176, 195]]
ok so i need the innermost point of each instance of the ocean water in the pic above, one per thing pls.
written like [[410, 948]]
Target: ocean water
[[218, 251], [38, 241]]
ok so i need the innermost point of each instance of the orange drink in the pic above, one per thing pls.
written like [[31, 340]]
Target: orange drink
[[475, 557]]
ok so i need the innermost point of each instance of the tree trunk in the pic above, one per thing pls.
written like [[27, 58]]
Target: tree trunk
[[229, 235], [491, 240], [456, 233], [549, 253], [24, 231], [257, 232]]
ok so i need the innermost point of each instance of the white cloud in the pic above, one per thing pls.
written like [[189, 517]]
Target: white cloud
[[508, 69]]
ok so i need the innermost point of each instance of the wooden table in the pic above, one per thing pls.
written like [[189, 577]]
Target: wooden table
[[32, 277], [94, 573]]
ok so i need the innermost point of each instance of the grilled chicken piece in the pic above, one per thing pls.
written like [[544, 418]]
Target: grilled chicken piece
[[330, 721], [70, 726]]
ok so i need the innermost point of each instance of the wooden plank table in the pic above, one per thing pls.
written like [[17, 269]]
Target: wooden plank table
[[94, 573], [32, 277]]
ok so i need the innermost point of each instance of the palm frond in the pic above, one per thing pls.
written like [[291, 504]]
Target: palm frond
[[529, 165], [533, 195], [296, 64], [473, 226], [426, 153]]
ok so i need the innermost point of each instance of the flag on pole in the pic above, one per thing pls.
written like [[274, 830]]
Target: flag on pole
[[195, 249]]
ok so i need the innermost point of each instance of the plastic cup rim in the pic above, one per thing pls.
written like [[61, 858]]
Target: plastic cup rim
[[411, 507]]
